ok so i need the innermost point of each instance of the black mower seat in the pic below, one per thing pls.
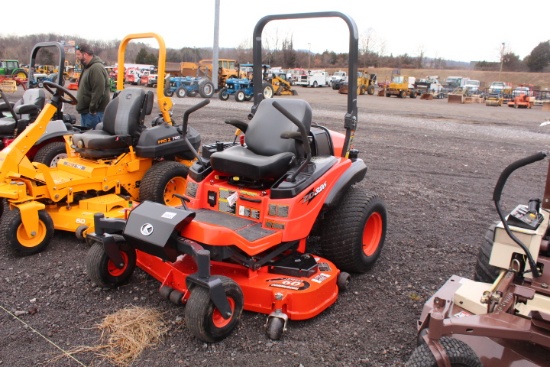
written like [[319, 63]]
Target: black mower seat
[[27, 109], [122, 124], [265, 156]]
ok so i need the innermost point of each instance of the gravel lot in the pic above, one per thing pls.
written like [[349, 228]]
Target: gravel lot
[[434, 164]]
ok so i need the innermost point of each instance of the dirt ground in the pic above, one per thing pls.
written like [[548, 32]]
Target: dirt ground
[[435, 165]]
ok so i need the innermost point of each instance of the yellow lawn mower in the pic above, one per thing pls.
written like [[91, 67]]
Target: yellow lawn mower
[[106, 170]]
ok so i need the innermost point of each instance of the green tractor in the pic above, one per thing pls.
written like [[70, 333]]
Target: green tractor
[[11, 68]]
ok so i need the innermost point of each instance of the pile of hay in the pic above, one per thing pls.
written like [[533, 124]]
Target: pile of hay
[[125, 334]]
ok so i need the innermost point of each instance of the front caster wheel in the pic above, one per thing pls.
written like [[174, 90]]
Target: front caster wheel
[[14, 233], [103, 271], [275, 327], [204, 320]]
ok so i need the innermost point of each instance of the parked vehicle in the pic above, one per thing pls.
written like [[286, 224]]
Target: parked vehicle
[[429, 87], [293, 75], [472, 87], [336, 78], [183, 86], [402, 86], [313, 79]]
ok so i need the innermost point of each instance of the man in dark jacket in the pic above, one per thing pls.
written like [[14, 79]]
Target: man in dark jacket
[[93, 87]]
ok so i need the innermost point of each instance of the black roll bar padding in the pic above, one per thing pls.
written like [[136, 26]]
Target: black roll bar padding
[[183, 131], [350, 122]]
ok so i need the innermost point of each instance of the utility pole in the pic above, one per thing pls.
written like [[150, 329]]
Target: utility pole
[[309, 56], [501, 60]]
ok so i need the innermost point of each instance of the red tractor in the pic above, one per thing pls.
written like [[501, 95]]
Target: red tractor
[[243, 237]]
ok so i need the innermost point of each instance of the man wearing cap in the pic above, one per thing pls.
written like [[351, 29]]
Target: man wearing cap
[[93, 87]]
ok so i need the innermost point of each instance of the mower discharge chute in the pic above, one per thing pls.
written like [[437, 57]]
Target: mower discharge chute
[[502, 317], [106, 169], [250, 217]]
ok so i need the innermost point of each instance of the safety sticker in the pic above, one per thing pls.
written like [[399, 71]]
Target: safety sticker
[[320, 278], [168, 215], [288, 283]]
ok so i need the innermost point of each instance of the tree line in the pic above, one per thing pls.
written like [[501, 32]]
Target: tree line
[[281, 53]]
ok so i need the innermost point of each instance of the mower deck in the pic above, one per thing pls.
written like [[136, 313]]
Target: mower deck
[[301, 293]]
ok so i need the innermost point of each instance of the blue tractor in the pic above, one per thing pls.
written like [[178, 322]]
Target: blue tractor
[[183, 86], [243, 88]]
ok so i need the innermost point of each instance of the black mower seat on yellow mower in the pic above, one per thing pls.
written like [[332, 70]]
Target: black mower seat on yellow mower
[[266, 155], [122, 124], [26, 109]]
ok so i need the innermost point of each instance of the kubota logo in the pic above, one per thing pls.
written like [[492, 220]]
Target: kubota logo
[[146, 229], [313, 193]]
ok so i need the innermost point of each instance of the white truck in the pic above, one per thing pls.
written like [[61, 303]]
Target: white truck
[[337, 77], [314, 79]]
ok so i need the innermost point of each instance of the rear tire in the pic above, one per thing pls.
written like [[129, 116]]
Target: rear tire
[[162, 181], [267, 90], [460, 355], [239, 96], [206, 89], [204, 320], [51, 153], [483, 271], [353, 233]]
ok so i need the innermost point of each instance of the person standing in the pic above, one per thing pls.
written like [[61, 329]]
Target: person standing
[[93, 87]]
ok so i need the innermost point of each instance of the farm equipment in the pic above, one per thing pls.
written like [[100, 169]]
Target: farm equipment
[[502, 317], [106, 168], [281, 86], [183, 86], [429, 88], [11, 71], [16, 117], [493, 99], [243, 89], [401, 86], [522, 101], [366, 83], [248, 217]]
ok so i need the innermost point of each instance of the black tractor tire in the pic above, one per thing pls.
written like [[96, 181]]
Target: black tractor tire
[[162, 181], [181, 92], [267, 90], [50, 153], [168, 92], [223, 94], [13, 232], [413, 95], [192, 93], [370, 90], [402, 94], [483, 271], [353, 233], [362, 90], [204, 320], [206, 89], [103, 272], [460, 355]]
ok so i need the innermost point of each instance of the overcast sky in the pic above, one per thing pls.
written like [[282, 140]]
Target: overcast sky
[[464, 30]]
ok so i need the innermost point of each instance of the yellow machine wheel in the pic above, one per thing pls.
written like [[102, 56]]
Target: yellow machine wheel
[[12, 230], [162, 181]]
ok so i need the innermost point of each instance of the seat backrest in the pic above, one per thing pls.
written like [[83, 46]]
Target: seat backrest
[[33, 96], [124, 115], [263, 134]]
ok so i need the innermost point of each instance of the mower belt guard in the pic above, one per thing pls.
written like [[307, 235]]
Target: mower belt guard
[[151, 228]]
